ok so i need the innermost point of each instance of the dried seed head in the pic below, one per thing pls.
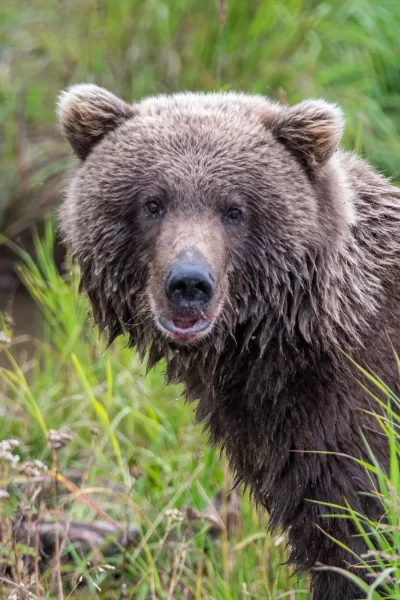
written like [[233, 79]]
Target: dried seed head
[[136, 472], [32, 468], [58, 439], [4, 340], [13, 444], [175, 515], [4, 495], [6, 456], [9, 445], [6, 452]]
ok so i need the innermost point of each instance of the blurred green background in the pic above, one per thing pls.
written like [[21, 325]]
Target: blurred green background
[[345, 52]]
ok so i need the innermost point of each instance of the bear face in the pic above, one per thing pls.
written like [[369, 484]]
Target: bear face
[[185, 209]]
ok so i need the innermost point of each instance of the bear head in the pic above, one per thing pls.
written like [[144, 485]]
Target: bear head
[[194, 214]]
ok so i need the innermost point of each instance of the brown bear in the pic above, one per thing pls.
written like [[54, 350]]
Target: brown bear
[[229, 235]]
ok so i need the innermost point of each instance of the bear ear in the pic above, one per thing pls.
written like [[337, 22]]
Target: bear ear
[[311, 130], [87, 113]]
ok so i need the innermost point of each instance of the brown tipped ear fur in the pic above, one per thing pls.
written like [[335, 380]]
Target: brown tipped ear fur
[[311, 130], [87, 113]]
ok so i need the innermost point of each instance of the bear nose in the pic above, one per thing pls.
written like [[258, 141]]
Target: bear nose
[[189, 285]]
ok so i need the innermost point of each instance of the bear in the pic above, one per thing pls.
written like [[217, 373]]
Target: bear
[[230, 236]]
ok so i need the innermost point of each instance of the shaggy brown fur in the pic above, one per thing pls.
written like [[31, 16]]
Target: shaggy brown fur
[[303, 244]]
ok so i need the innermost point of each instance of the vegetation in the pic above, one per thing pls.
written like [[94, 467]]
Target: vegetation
[[135, 458], [346, 52]]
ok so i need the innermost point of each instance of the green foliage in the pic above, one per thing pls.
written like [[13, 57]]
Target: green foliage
[[346, 52]]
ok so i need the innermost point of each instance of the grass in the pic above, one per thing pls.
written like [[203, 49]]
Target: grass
[[137, 456]]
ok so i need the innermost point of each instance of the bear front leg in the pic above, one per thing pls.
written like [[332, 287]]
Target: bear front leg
[[312, 548], [310, 535], [311, 516], [326, 585]]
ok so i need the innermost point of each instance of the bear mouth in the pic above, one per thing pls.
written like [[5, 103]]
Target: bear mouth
[[185, 328]]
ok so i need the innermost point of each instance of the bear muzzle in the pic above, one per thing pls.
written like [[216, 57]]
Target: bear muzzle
[[189, 288]]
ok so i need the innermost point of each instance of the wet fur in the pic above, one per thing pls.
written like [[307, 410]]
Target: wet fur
[[316, 271]]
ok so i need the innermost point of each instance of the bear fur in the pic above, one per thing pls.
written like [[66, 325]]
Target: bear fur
[[306, 267]]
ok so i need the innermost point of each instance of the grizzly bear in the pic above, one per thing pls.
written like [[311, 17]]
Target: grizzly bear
[[228, 235]]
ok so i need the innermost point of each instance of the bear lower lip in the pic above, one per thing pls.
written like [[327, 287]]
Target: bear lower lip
[[184, 328]]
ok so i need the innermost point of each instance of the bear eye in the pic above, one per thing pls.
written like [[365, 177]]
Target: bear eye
[[234, 213], [153, 208]]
